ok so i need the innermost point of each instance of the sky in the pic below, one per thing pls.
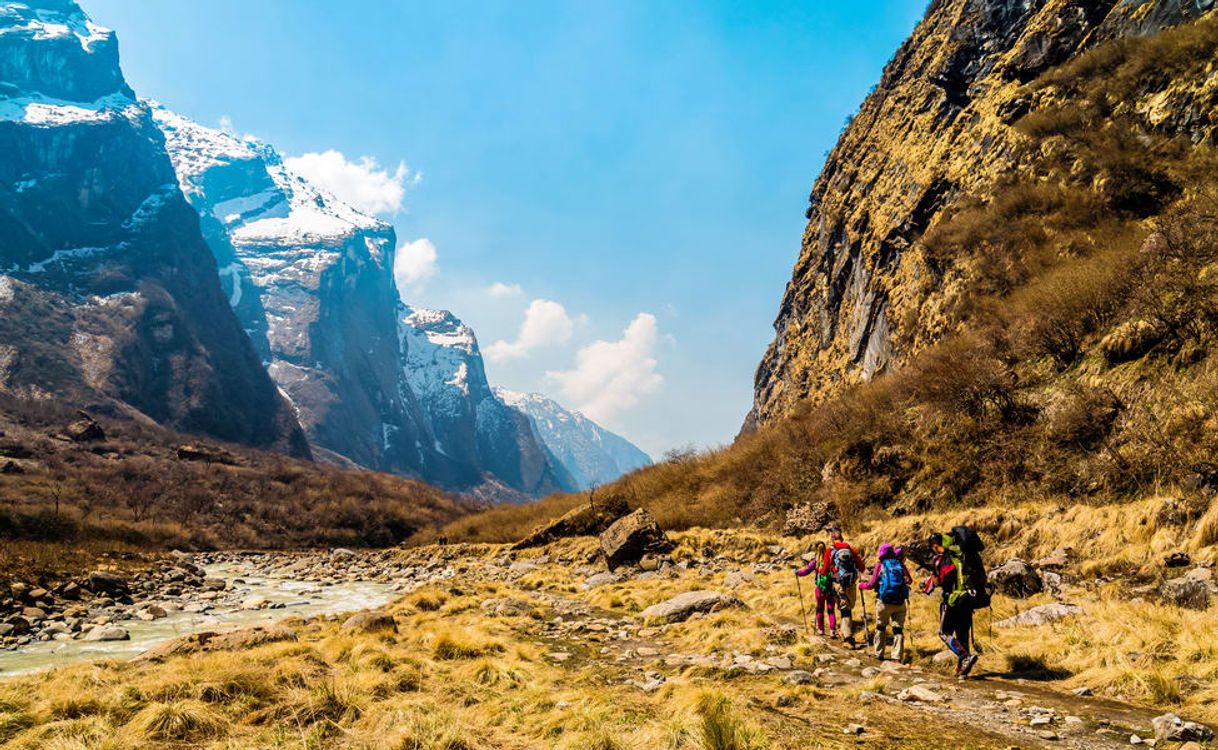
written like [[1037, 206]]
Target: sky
[[611, 194]]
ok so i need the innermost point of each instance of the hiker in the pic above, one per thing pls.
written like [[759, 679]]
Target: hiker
[[826, 598], [845, 564], [956, 609], [890, 580]]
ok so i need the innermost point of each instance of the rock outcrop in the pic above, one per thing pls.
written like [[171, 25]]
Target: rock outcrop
[[108, 292], [683, 606], [632, 537], [865, 295]]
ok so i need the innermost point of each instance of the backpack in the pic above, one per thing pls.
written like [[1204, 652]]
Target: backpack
[[845, 572], [892, 588], [975, 578]]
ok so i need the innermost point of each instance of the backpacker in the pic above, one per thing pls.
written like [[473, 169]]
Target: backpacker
[[975, 578], [892, 588], [845, 572]]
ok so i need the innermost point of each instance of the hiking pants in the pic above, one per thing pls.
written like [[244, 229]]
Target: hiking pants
[[825, 601], [896, 614], [955, 627], [846, 597]]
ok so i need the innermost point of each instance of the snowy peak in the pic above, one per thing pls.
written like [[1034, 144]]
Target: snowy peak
[[269, 204], [590, 453], [57, 67], [440, 359]]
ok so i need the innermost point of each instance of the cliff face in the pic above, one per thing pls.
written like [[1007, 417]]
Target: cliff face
[[938, 130], [110, 296]]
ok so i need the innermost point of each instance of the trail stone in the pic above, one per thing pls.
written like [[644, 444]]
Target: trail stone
[[631, 537], [1171, 728], [799, 677], [1185, 591], [1016, 579], [1042, 615], [738, 578], [107, 633], [105, 582], [919, 693], [682, 606], [600, 579], [253, 602]]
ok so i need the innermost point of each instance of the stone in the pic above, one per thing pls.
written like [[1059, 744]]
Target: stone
[[944, 657], [808, 518], [682, 606], [600, 579], [372, 621], [70, 590], [1082, 691], [506, 607], [1177, 560], [33, 614], [1017, 579], [38, 593], [919, 693], [1171, 728], [254, 602], [1185, 591], [85, 429], [855, 729], [798, 677], [631, 537], [105, 582], [234, 640], [107, 633], [1045, 614], [738, 578], [206, 454]]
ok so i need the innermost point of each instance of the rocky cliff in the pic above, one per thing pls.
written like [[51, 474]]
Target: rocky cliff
[[592, 454], [109, 295], [939, 131]]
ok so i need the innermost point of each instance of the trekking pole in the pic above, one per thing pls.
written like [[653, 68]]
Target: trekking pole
[[866, 631], [802, 609]]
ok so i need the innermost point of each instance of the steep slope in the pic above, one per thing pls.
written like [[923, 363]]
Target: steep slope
[[866, 294], [592, 454], [444, 367], [109, 294]]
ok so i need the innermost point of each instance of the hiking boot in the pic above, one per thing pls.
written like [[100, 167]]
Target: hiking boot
[[966, 666]]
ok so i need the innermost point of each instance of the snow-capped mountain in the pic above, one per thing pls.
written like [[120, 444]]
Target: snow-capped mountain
[[444, 368], [311, 280], [592, 454], [112, 296]]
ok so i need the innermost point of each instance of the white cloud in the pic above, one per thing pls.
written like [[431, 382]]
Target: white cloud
[[414, 263], [546, 323], [611, 376], [499, 289], [365, 184]]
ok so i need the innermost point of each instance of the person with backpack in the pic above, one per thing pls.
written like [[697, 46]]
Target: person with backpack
[[960, 574], [845, 563], [890, 580], [826, 598]]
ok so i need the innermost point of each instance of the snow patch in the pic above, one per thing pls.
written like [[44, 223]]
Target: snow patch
[[44, 111], [6, 289]]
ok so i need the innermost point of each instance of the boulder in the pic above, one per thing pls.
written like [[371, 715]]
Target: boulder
[[799, 677], [105, 582], [630, 537], [919, 693], [808, 518], [235, 640], [506, 607], [1185, 591], [1171, 728], [370, 622], [254, 602], [1045, 614], [1016, 579], [593, 518], [107, 633], [682, 606], [600, 579], [205, 453], [85, 429], [1177, 560], [1130, 340]]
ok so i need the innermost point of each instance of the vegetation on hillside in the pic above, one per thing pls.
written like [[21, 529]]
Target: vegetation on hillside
[[1084, 363]]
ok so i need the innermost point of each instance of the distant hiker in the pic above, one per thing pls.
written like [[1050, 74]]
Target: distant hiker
[[826, 597], [891, 581], [845, 563], [960, 574]]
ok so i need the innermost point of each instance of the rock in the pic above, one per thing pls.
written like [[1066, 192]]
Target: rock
[[1171, 728], [808, 518], [649, 563], [205, 453], [1017, 579], [944, 657], [1177, 560], [798, 677], [6, 629], [235, 640], [781, 635], [33, 614], [107, 633], [105, 582], [70, 591], [343, 552], [855, 729], [38, 593], [1042, 615], [738, 578], [600, 579], [1130, 340], [11, 467], [1186, 592], [85, 429], [586, 520], [919, 693], [1053, 582], [1082, 691], [631, 537], [779, 662], [370, 622], [682, 606], [253, 602], [506, 607]]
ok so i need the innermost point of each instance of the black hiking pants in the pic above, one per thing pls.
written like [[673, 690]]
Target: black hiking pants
[[956, 627]]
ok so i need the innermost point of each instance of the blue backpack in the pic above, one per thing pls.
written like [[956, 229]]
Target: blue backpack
[[892, 588]]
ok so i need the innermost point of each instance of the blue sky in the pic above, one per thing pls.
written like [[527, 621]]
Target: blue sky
[[632, 175]]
